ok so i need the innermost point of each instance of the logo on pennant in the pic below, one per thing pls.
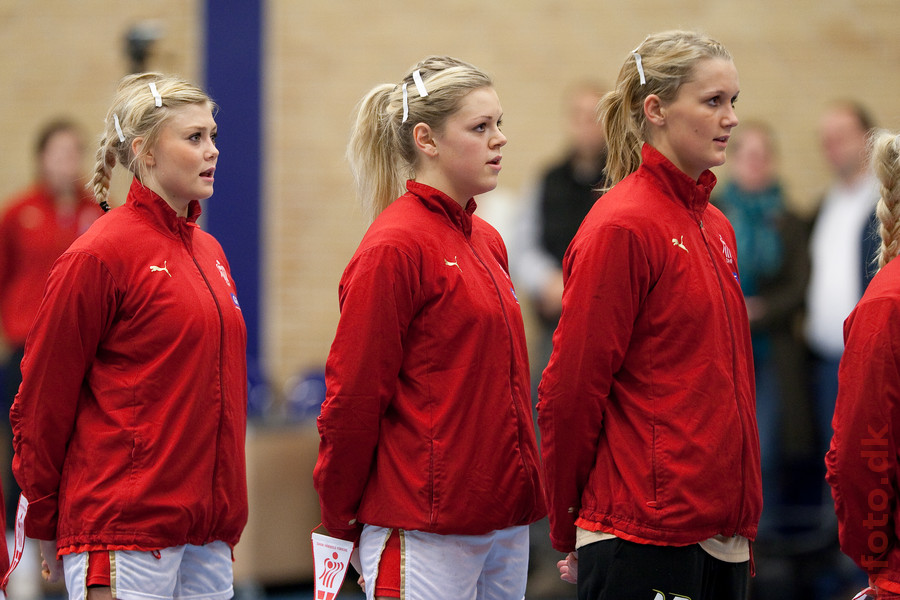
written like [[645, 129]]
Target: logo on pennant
[[331, 557]]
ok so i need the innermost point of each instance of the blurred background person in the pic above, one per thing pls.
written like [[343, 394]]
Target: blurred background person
[[555, 208], [771, 245], [36, 227], [551, 214], [772, 248], [843, 247]]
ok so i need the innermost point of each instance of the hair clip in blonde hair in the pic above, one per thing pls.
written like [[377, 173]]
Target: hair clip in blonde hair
[[118, 127], [405, 104], [640, 66], [420, 87], [155, 93]]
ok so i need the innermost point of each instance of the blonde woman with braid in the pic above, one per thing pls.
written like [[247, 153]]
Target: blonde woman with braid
[[646, 409], [129, 424], [428, 455], [862, 463]]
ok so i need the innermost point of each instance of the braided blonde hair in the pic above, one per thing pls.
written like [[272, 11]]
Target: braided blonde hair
[[885, 156], [382, 153], [134, 109]]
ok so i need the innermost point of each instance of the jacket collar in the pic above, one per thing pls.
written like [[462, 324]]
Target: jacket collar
[[152, 207], [693, 195], [439, 202]]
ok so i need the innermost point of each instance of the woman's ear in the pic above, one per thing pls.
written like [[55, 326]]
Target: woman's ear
[[654, 110], [423, 137], [137, 144]]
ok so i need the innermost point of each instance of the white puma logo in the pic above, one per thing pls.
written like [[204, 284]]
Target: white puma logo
[[680, 244], [164, 268], [455, 263]]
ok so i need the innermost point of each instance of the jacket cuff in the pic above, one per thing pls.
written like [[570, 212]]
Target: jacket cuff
[[42, 517]]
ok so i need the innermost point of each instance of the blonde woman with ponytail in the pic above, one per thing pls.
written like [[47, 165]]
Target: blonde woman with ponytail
[[863, 468], [129, 424], [646, 408], [428, 455]]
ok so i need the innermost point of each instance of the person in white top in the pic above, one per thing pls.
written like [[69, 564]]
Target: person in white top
[[842, 249]]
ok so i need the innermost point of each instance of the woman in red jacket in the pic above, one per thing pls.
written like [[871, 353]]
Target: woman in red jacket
[[129, 424], [427, 441], [863, 469], [646, 408]]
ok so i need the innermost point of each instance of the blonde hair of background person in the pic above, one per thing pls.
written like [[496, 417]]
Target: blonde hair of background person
[[668, 60], [886, 164], [134, 107], [382, 150]]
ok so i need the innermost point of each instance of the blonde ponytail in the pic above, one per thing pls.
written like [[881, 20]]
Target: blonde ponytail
[[666, 60], [377, 169], [381, 151]]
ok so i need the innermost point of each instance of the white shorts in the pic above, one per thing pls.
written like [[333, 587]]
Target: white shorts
[[493, 566], [180, 572]]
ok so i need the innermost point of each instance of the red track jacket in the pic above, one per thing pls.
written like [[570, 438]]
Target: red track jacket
[[427, 422], [863, 468], [129, 425], [647, 411], [32, 237]]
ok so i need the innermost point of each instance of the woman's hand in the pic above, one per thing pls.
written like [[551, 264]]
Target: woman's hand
[[51, 567], [568, 568]]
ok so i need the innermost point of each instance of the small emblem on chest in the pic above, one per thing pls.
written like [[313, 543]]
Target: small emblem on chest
[[680, 244], [455, 263], [162, 269], [222, 272]]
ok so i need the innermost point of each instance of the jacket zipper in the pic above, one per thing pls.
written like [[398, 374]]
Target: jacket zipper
[[221, 385], [512, 353], [733, 371]]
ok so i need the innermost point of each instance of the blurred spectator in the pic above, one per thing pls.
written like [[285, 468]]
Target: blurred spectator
[[771, 244], [843, 247], [36, 227], [550, 216], [554, 210]]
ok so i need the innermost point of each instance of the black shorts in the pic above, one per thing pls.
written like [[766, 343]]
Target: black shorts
[[621, 570]]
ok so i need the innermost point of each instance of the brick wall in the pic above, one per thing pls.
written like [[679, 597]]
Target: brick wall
[[62, 56]]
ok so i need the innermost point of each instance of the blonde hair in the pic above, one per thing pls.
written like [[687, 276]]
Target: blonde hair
[[134, 106], [885, 153], [668, 60], [381, 152]]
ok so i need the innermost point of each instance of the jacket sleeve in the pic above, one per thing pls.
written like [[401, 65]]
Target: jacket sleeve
[[862, 460], [606, 276], [79, 299], [378, 297]]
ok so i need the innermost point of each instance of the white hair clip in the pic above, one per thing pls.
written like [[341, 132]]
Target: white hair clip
[[420, 87], [118, 127], [155, 93], [640, 66], [405, 104]]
